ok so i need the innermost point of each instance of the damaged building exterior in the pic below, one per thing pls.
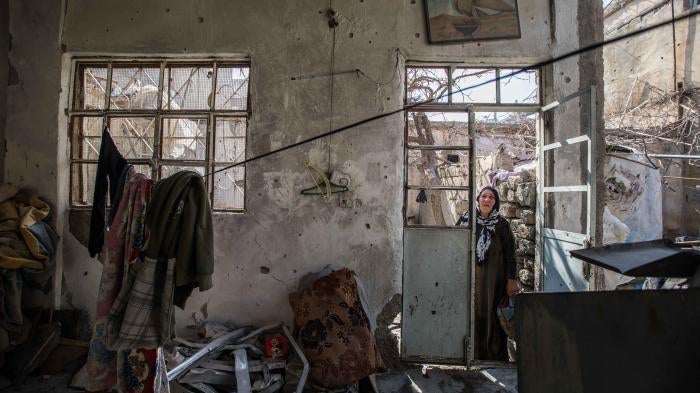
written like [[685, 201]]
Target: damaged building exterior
[[651, 105], [201, 86]]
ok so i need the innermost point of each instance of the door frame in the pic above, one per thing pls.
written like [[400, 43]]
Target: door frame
[[469, 108], [462, 109], [587, 239], [473, 109]]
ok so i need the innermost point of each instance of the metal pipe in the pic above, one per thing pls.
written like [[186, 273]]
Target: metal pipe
[[679, 156], [257, 332], [443, 188], [211, 347], [681, 178], [631, 160], [300, 353], [242, 376]]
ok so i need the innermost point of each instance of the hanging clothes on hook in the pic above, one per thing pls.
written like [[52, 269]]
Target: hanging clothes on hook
[[181, 229], [159, 247], [117, 369], [111, 166]]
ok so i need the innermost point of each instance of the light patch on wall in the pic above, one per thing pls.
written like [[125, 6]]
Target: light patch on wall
[[282, 189], [277, 140]]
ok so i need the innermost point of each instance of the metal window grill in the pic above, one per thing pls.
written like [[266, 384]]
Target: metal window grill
[[439, 146], [165, 115]]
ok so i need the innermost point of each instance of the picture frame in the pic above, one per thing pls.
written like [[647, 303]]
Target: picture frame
[[449, 21]]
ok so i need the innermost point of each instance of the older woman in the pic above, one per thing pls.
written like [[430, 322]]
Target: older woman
[[494, 274]]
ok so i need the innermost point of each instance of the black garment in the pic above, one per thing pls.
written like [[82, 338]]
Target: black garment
[[109, 169], [118, 195], [490, 280]]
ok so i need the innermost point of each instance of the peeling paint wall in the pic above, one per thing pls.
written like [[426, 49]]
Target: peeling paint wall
[[287, 233]]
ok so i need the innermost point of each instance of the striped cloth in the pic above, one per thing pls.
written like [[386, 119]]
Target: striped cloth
[[136, 369], [142, 313]]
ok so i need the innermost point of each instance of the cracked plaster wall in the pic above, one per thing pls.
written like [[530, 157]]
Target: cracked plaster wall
[[282, 231]]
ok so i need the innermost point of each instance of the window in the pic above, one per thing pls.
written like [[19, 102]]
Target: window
[[439, 145], [164, 116]]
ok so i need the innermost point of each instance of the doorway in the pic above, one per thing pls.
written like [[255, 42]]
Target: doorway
[[444, 140]]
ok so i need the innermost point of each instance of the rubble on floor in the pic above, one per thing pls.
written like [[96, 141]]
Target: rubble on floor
[[447, 379], [245, 359]]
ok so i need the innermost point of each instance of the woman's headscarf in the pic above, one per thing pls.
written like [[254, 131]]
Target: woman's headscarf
[[486, 226]]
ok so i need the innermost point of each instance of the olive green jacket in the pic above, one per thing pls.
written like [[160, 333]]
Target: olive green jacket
[[179, 225]]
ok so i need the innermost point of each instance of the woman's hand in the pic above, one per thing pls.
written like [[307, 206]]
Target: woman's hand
[[512, 287]]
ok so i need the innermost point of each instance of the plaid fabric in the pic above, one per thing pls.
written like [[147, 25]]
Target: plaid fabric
[[134, 370], [141, 316]]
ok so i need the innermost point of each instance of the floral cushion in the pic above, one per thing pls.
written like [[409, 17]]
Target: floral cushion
[[334, 331]]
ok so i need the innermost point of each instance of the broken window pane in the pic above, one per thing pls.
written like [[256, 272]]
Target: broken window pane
[[82, 183], [230, 139], [435, 207], [566, 166], [521, 88], [91, 87], [438, 167], [134, 136], [188, 87], [232, 87], [144, 170], [169, 170], [438, 129], [566, 211], [134, 87], [423, 84], [86, 137], [473, 86], [229, 188], [141, 132], [184, 139], [570, 119], [517, 130]]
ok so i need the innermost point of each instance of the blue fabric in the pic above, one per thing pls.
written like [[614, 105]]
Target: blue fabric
[[47, 238]]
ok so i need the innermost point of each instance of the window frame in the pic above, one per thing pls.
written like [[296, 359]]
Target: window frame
[[160, 114], [461, 107]]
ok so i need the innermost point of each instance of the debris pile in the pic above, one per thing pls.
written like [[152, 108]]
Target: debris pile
[[244, 360], [518, 195]]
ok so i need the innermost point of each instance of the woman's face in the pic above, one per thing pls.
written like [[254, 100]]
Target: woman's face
[[486, 202]]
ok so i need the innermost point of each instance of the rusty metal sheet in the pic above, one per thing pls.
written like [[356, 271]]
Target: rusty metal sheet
[[435, 318]]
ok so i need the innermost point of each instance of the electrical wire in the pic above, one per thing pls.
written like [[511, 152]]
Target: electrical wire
[[531, 67]]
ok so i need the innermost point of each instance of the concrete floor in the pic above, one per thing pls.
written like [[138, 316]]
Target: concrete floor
[[427, 379], [448, 380], [43, 384]]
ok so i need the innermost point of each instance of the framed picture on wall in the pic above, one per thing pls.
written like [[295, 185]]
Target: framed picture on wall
[[471, 20]]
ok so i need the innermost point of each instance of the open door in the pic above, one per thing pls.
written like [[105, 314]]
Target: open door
[[436, 281], [566, 192], [440, 184]]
